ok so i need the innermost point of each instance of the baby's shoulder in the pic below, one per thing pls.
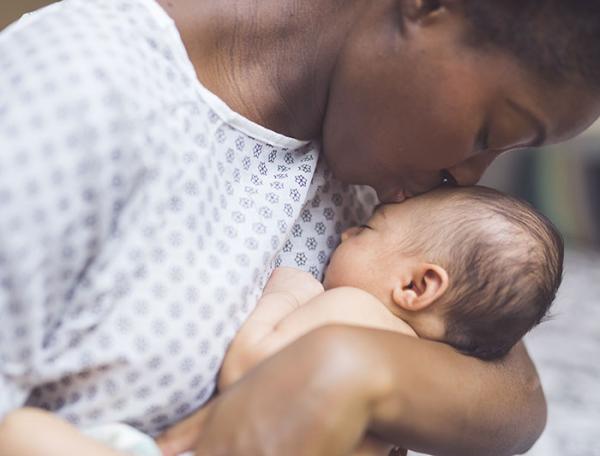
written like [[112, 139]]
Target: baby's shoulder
[[361, 308], [353, 295]]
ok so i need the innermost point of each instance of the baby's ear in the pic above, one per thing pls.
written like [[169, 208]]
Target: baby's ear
[[424, 285]]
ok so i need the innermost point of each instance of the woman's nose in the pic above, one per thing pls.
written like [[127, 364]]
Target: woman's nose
[[470, 171]]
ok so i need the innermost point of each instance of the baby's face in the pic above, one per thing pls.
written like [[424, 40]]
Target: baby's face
[[368, 256]]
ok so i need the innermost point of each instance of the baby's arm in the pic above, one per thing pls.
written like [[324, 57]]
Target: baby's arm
[[262, 335], [346, 306], [277, 321], [286, 291], [32, 432]]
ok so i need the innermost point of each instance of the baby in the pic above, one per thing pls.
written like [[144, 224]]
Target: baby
[[469, 267]]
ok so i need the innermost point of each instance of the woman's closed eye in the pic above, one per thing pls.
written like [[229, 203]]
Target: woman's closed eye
[[482, 141]]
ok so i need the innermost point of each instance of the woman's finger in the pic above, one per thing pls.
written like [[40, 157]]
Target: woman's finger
[[184, 435], [373, 446]]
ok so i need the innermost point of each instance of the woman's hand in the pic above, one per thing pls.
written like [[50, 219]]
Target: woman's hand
[[372, 446], [312, 398]]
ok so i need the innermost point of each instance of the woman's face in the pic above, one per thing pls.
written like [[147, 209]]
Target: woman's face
[[409, 99]]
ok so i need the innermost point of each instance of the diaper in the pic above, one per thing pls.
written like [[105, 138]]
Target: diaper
[[125, 439]]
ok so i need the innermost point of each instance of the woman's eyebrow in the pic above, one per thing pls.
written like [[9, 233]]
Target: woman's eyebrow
[[540, 128]]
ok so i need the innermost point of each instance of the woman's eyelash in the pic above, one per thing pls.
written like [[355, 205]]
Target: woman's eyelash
[[366, 226]]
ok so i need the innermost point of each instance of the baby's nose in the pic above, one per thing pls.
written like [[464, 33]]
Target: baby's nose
[[350, 232]]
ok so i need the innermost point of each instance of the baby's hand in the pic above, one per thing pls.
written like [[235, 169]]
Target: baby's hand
[[286, 291], [300, 285]]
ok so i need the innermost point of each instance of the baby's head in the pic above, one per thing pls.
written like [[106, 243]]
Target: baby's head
[[471, 267]]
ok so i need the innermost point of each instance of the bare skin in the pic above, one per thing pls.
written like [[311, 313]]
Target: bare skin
[[397, 99], [388, 86], [340, 381], [32, 432]]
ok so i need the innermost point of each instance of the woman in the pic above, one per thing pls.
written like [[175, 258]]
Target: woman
[[402, 94]]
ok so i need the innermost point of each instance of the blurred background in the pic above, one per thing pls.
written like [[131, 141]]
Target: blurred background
[[564, 183]]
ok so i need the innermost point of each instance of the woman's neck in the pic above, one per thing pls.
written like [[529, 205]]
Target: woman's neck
[[269, 60]]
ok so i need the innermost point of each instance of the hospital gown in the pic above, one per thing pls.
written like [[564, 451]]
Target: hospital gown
[[140, 216]]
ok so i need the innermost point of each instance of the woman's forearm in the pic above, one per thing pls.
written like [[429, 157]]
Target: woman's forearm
[[440, 402], [320, 394]]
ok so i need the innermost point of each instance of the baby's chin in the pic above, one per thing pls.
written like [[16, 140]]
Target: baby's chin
[[329, 279], [335, 278], [339, 273]]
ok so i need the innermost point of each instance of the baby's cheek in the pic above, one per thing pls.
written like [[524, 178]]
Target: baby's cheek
[[342, 269], [332, 272]]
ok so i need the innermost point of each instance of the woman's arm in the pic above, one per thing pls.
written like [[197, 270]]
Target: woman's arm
[[441, 402], [320, 394]]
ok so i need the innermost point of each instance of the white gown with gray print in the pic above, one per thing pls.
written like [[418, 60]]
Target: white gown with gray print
[[140, 217]]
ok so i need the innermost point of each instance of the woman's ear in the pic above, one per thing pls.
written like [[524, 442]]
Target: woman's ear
[[425, 284]]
